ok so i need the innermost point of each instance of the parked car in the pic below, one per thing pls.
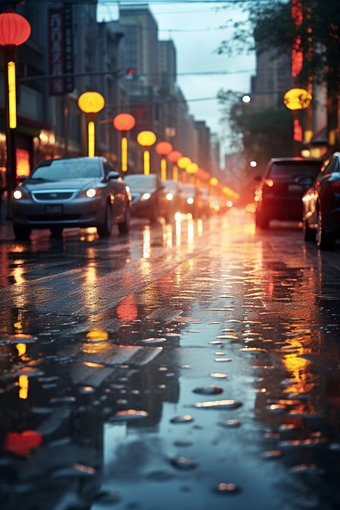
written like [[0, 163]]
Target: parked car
[[148, 197], [321, 206], [191, 200], [280, 191], [75, 192]]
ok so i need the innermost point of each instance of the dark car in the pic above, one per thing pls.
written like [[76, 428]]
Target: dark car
[[148, 197], [191, 200], [321, 206], [279, 195], [75, 192]]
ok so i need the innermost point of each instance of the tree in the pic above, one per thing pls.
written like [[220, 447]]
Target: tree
[[259, 134], [312, 26]]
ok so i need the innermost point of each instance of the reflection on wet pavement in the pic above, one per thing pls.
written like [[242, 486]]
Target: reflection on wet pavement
[[190, 363]]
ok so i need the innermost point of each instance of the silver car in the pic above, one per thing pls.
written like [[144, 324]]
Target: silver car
[[75, 192]]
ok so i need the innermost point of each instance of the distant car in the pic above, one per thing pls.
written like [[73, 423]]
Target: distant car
[[205, 202], [173, 195], [279, 195], [321, 206], [191, 200], [75, 192], [148, 197]]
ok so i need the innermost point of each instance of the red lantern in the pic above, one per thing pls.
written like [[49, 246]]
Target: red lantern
[[174, 156], [163, 148], [124, 122], [14, 29]]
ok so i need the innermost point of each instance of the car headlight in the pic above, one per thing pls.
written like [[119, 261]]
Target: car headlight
[[90, 193], [190, 200], [145, 196], [169, 196], [18, 194]]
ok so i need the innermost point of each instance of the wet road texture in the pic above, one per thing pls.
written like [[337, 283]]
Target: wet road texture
[[187, 366]]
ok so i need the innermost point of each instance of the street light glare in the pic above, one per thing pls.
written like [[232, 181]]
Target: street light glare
[[246, 99]]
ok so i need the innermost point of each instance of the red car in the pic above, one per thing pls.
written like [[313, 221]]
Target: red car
[[279, 195]]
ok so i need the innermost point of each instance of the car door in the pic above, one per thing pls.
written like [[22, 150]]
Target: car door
[[323, 193], [117, 190]]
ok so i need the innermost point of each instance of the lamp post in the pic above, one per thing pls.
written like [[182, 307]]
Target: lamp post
[[124, 122], [183, 163], [163, 149], [192, 169], [295, 100], [14, 31], [91, 103], [173, 157], [146, 139]]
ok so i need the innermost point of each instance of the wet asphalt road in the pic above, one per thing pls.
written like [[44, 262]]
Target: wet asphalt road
[[188, 366]]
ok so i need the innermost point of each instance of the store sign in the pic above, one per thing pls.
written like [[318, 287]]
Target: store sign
[[68, 47], [61, 49], [56, 50]]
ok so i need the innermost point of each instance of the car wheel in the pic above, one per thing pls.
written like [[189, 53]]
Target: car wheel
[[124, 227], [308, 233], [323, 240], [105, 230], [264, 221], [21, 231], [56, 231]]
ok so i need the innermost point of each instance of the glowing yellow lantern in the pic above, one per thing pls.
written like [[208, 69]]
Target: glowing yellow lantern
[[192, 168], [146, 139], [297, 99], [213, 181], [91, 103]]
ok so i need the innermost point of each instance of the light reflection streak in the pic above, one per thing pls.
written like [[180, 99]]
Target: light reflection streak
[[200, 228], [21, 348], [17, 274], [23, 385], [178, 230], [146, 243]]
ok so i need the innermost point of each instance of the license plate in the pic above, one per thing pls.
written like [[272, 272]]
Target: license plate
[[53, 209], [295, 188]]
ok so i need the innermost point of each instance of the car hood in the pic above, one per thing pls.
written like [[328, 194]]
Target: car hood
[[66, 184]]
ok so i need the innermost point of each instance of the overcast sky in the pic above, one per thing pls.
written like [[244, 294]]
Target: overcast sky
[[195, 30]]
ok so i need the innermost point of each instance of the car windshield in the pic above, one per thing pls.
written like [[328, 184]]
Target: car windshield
[[61, 169], [171, 186], [141, 182], [188, 189], [295, 169]]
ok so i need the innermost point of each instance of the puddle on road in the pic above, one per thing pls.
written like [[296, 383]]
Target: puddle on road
[[107, 403]]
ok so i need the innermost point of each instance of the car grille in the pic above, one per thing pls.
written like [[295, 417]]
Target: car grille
[[52, 195], [62, 217]]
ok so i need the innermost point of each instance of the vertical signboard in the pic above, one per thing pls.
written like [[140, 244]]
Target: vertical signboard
[[56, 50], [68, 47]]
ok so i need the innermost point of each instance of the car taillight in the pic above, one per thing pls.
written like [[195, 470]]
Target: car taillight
[[335, 186], [269, 182]]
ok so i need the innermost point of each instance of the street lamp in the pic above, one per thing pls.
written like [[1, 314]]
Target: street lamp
[[146, 139], [91, 103], [183, 163], [173, 157], [192, 169], [295, 100], [163, 149], [124, 122], [14, 31]]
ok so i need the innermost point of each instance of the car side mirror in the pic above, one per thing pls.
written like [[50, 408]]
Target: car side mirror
[[21, 178], [113, 175], [305, 181], [258, 178]]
